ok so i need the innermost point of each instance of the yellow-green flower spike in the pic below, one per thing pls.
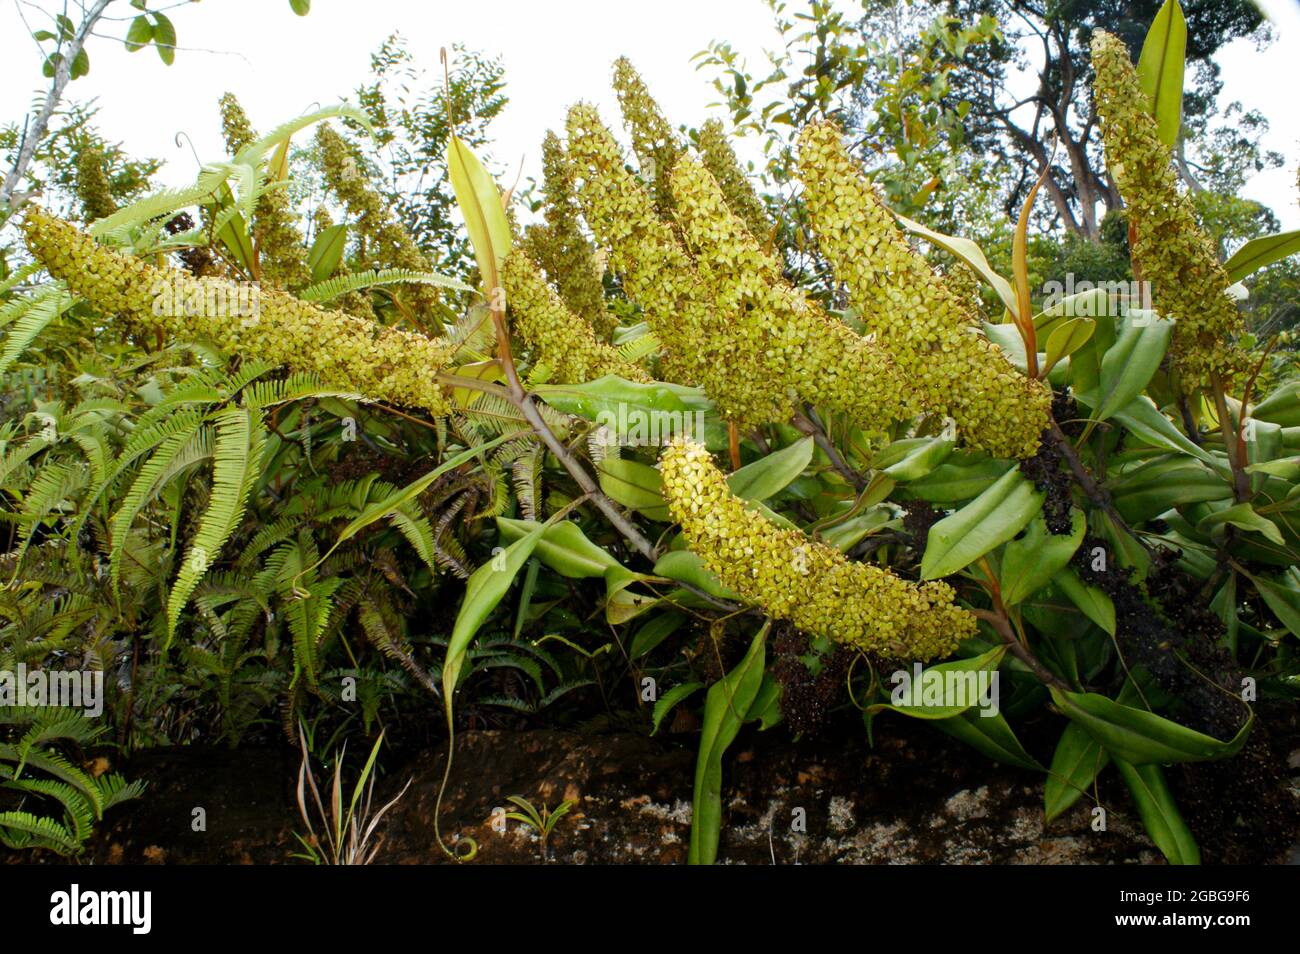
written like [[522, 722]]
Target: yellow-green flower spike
[[235, 127], [797, 345], [659, 276], [795, 578], [915, 316], [656, 146], [1170, 251], [560, 247], [385, 242], [559, 338], [281, 253], [352, 354], [720, 159], [92, 183]]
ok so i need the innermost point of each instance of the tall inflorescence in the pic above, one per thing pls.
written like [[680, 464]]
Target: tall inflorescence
[[1170, 251], [235, 127], [913, 314], [659, 276], [561, 340], [656, 146], [795, 578], [560, 247], [794, 342], [93, 188], [720, 159], [281, 253], [346, 352], [385, 242]]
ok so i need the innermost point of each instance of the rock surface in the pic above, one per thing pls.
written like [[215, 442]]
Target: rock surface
[[917, 797]]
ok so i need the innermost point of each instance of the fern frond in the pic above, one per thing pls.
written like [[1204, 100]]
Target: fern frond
[[333, 288], [237, 456], [42, 309]]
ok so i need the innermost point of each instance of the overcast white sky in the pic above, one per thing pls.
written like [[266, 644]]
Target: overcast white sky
[[555, 52]]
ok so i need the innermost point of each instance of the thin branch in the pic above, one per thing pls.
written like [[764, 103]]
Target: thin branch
[[62, 76]]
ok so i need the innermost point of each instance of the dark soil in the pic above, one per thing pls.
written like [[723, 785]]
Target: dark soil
[[917, 797]]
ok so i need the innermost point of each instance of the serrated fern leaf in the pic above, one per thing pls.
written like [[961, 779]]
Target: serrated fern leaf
[[332, 288], [236, 462]]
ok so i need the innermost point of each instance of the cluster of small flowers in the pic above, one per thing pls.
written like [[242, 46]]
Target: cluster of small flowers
[[658, 275], [793, 341], [385, 242], [92, 184], [560, 247], [653, 140], [810, 584], [915, 316], [356, 355], [1170, 250], [720, 159], [561, 340], [281, 252]]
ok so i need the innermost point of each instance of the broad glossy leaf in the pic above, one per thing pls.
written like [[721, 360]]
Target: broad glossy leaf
[[485, 216], [1067, 338], [971, 254], [991, 519], [1141, 737], [1075, 764], [933, 694], [1159, 812], [770, 475], [1091, 600], [327, 251], [1030, 562], [725, 711], [483, 591], [1160, 70], [1127, 366], [992, 735], [1260, 252], [563, 547], [635, 485]]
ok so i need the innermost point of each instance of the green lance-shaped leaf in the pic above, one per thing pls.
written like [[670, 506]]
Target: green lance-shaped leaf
[[1091, 600], [1076, 762], [1030, 562], [1067, 338], [391, 504], [563, 547], [1129, 364], [237, 455], [484, 590], [726, 709], [685, 567], [961, 477], [1146, 422], [1142, 737], [635, 485], [913, 458], [991, 735], [972, 255], [1259, 252], [646, 411], [988, 521], [941, 691], [327, 251], [485, 216], [1159, 812], [770, 475], [1160, 69], [1244, 517]]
